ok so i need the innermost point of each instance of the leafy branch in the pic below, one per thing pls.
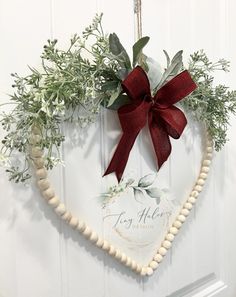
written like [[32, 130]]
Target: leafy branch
[[72, 84], [209, 103]]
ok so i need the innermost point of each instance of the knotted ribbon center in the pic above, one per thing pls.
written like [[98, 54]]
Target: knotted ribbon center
[[163, 118]]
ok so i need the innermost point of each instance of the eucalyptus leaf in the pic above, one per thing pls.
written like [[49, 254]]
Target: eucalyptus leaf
[[110, 85], [118, 50], [119, 101], [147, 180], [138, 47], [167, 58], [172, 70], [154, 192], [114, 95], [145, 64], [138, 195]]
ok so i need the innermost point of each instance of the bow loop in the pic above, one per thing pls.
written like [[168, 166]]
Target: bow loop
[[174, 120], [136, 85], [164, 119], [133, 117]]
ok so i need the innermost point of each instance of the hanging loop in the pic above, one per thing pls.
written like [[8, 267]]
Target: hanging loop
[[138, 13]]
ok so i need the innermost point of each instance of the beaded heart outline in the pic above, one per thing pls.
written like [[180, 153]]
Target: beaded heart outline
[[48, 193]]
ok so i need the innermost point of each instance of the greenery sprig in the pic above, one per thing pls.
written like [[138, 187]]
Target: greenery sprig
[[73, 84], [210, 103]]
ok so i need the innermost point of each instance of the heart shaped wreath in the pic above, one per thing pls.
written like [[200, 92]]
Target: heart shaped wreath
[[96, 71]]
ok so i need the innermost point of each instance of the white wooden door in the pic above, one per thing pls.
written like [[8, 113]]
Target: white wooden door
[[40, 255]]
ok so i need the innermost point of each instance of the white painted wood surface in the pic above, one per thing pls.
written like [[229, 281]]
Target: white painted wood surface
[[39, 255]]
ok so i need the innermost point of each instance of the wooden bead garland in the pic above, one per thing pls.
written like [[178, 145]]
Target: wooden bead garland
[[44, 186]]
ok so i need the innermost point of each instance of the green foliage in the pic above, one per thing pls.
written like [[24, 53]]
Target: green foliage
[[137, 49], [72, 84], [70, 87], [209, 103], [173, 68]]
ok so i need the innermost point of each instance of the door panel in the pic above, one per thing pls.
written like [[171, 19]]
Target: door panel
[[41, 256]]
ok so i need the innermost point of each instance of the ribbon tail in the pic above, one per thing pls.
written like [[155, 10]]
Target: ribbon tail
[[121, 155], [160, 140]]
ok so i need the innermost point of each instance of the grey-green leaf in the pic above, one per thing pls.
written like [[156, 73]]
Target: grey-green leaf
[[117, 49], [167, 58], [138, 195], [138, 47], [114, 95], [173, 69], [154, 192], [119, 101], [147, 180]]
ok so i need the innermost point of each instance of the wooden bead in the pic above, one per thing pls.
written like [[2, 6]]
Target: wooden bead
[[166, 244], [48, 194], [112, 250], [38, 162], [60, 209], [200, 182], [205, 169], [188, 205], [43, 184], [209, 156], [36, 152], [162, 251], [133, 265], [185, 212], [177, 224], [206, 162], [143, 271], [81, 226], [123, 258], [36, 130], [173, 230], [73, 222], [99, 242], [203, 175], [209, 142], [41, 173], [54, 202], [170, 237], [139, 268], [67, 216], [158, 257], [198, 188], [118, 254], [35, 139], [194, 193], [149, 271], [191, 200], [106, 245], [128, 262], [209, 149], [87, 232], [181, 218], [153, 265], [93, 237]]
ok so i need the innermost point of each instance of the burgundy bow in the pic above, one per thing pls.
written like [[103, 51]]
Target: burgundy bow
[[164, 119]]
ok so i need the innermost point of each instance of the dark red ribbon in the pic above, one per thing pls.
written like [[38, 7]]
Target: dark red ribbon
[[164, 119]]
